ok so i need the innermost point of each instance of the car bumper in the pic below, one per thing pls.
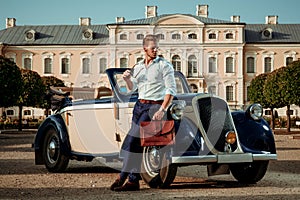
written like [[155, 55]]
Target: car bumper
[[223, 158]]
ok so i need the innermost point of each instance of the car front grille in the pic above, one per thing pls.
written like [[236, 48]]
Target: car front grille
[[215, 119]]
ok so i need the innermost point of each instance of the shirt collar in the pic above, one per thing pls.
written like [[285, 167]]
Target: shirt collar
[[156, 60]]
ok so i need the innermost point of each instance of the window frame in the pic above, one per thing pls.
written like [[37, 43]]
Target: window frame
[[123, 37], [101, 67], [232, 65], [212, 67], [176, 62], [86, 65], [27, 56], [229, 93], [192, 66], [267, 62], [192, 36], [160, 36], [125, 63], [247, 65], [47, 67], [176, 36]]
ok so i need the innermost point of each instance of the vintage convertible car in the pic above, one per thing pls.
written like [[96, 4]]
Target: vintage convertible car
[[207, 133]]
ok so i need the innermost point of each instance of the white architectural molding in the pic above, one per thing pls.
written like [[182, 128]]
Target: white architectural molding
[[11, 55]]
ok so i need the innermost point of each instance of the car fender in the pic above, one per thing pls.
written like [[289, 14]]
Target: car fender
[[56, 122], [254, 135], [188, 137]]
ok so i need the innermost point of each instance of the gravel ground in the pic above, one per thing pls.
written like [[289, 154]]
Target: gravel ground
[[20, 178]]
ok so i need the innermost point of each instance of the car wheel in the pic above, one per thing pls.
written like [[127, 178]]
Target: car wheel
[[54, 159], [249, 172], [157, 170]]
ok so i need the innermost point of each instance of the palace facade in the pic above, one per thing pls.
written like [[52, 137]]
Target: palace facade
[[217, 56]]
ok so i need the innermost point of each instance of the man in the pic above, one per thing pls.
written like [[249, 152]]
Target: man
[[154, 79]]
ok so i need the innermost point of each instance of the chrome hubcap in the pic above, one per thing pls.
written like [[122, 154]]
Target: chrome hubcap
[[154, 158], [52, 150]]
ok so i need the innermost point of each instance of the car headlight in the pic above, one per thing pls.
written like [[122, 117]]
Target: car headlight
[[177, 109], [255, 111]]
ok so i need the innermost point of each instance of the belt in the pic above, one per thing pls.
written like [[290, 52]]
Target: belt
[[144, 101]]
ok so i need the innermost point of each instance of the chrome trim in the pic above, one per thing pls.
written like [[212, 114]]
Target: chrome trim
[[194, 159], [88, 107], [223, 158], [264, 157], [235, 158], [203, 132]]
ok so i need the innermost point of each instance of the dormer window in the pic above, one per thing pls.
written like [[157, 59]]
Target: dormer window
[[176, 36], [229, 36], [30, 35], [123, 36], [87, 34], [160, 36], [267, 33], [212, 36], [192, 36], [140, 36]]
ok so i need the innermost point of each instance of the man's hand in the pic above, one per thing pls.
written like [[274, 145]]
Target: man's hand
[[158, 115], [127, 75]]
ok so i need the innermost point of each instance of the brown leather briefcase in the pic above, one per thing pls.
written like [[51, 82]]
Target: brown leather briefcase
[[157, 133]]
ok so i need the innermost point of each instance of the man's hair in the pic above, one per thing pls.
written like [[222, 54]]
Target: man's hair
[[148, 38]]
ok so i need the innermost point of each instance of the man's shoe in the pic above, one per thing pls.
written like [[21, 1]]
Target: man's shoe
[[116, 184], [129, 186]]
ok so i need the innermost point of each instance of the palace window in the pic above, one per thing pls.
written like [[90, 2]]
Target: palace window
[[176, 36], [65, 65], [229, 36], [47, 66], [229, 93], [250, 65], [192, 36], [176, 62], [140, 36], [123, 62], [289, 60], [192, 66], [212, 65], [229, 65], [212, 36], [27, 63], [268, 64], [123, 36], [85, 65], [160, 36], [103, 65]]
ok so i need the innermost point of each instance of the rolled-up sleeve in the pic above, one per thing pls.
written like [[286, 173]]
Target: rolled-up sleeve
[[169, 79]]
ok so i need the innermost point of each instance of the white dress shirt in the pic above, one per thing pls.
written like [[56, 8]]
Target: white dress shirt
[[155, 81]]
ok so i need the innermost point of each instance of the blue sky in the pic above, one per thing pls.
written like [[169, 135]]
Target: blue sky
[[40, 12]]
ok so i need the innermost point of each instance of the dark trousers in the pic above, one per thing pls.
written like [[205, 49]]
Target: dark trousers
[[131, 148]]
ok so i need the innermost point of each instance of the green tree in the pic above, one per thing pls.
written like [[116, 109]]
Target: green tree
[[33, 90], [10, 82], [256, 94], [291, 88], [256, 90], [293, 82], [50, 81], [275, 89]]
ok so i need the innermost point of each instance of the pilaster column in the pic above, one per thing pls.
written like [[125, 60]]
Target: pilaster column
[[240, 86]]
